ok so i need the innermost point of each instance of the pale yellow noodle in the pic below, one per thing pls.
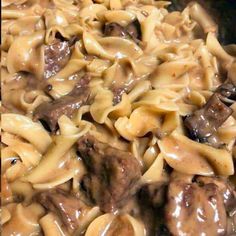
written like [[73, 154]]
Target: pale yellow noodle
[[140, 91], [27, 129]]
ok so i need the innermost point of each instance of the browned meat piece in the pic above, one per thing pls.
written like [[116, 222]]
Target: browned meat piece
[[226, 189], [152, 198], [56, 56], [228, 90], [231, 225], [115, 30], [66, 206], [131, 31], [49, 112], [134, 30], [193, 209], [203, 124], [112, 173], [153, 194], [118, 92], [228, 193]]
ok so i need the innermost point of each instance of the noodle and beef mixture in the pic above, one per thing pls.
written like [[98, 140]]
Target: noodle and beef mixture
[[118, 119]]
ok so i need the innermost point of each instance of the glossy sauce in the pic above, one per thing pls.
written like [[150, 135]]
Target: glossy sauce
[[195, 210], [176, 152]]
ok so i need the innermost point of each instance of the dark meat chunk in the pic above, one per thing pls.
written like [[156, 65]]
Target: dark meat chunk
[[134, 30], [73, 40], [131, 31], [112, 173], [231, 225], [162, 230], [228, 90], [115, 30], [226, 189], [153, 194], [228, 193], [203, 124], [152, 198], [49, 112], [66, 206], [194, 209], [56, 56], [118, 92]]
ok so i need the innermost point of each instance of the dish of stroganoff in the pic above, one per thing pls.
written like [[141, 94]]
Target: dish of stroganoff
[[118, 119]]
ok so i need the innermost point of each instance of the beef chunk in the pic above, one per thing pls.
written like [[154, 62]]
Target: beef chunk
[[225, 188], [50, 112], [56, 56], [194, 209], [231, 225], [131, 31], [66, 206], [118, 92], [203, 124], [112, 173], [153, 194], [152, 198], [228, 90], [228, 193], [115, 30], [134, 30]]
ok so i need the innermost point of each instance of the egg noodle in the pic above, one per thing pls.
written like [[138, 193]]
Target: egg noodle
[[140, 90]]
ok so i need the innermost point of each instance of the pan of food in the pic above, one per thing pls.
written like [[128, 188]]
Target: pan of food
[[118, 118]]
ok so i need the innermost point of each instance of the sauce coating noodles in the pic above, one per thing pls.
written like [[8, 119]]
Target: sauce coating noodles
[[118, 118]]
